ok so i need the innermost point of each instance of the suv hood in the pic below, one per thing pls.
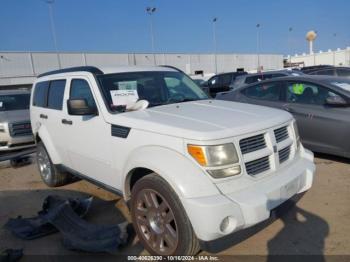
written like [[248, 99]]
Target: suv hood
[[204, 120], [14, 116]]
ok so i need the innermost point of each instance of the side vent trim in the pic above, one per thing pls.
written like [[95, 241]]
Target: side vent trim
[[120, 131]]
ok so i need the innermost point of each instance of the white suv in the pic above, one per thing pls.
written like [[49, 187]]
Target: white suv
[[192, 169]]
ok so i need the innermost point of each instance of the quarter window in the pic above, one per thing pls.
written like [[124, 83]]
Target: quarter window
[[80, 89], [265, 91], [56, 92], [307, 93], [40, 94]]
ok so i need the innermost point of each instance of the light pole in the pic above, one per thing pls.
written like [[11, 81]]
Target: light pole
[[289, 45], [258, 45], [53, 29], [151, 11], [215, 19], [335, 47]]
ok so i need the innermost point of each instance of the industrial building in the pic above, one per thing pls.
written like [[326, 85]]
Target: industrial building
[[338, 57], [19, 69]]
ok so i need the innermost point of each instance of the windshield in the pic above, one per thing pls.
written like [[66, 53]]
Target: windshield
[[158, 88], [343, 84], [14, 102]]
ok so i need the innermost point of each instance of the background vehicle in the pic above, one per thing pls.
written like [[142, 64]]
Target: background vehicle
[[221, 82], [321, 106], [182, 159], [15, 128], [253, 78], [332, 71]]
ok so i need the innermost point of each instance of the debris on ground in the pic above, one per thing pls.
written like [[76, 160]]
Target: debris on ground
[[66, 216], [39, 226]]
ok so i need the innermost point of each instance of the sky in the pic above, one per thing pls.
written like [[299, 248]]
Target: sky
[[179, 25]]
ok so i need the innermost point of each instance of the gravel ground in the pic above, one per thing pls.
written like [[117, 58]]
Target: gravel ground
[[318, 224]]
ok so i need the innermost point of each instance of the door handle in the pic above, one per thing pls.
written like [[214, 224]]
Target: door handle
[[67, 122], [43, 116]]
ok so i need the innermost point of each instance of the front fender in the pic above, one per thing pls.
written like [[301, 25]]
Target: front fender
[[186, 178]]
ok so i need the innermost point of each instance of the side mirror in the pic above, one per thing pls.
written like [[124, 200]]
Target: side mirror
[[335, 101], [80, 107]]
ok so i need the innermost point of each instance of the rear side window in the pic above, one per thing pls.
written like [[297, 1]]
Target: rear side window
[[40, 94], [80, 89], [264, 91], [328, 72], [226, 79], [343, 72], [56, 92]]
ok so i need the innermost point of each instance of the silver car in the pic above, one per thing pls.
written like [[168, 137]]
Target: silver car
[[15, 128]]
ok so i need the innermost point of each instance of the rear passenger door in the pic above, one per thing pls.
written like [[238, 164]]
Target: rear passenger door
[[46, 112]]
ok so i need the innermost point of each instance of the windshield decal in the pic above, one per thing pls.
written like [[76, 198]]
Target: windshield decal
[[124, 97]]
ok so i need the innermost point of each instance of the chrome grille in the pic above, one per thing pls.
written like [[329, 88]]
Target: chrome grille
[[283, 154], [252, 144], [20, 129], [281, 134], [257, 166]]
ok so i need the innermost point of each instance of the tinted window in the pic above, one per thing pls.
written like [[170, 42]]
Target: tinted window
[[265, 91], [214, 81], [40, 94], [343, 72], [226, 79], [307, 93], [329, 72], [80, 89], [56, 92], [14, 102]]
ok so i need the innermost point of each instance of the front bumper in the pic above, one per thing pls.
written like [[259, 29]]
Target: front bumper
[[251, 205], [8, 143]]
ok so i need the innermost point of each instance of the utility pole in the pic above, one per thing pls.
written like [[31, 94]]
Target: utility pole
[[151, 11], [215, 19], [258, 45], [289, 45], [53, 29]]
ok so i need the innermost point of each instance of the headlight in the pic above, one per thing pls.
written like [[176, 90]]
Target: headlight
[[296, 133], [2, 127], [211, 156]]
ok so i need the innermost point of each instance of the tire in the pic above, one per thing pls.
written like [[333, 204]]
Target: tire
[[160, 220], [50, 175]]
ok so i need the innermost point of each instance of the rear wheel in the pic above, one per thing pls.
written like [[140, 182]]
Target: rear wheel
[[160, 220], [48, 172]]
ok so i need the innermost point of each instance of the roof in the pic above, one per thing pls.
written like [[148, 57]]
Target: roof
[[109, 70], [14, 92]]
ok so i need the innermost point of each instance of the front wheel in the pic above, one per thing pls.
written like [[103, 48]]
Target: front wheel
[[159, 219]]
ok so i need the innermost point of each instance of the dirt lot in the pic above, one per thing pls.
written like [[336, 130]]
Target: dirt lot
[[318, 224]]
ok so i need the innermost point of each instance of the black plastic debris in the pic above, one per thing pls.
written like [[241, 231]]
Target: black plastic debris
[[65, 216], [11, 255], [39, 226], [79, 234]]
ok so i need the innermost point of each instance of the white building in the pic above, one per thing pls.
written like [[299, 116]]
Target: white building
[[339, 57], [21, 68]]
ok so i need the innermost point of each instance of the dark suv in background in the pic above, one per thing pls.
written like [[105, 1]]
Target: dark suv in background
[[221, 82]]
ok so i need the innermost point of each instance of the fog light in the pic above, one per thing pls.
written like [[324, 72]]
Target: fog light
[[3, 143], [227, 172], [228, 224]]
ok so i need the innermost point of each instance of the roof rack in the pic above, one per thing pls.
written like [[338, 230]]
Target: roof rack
[[90, 69]]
